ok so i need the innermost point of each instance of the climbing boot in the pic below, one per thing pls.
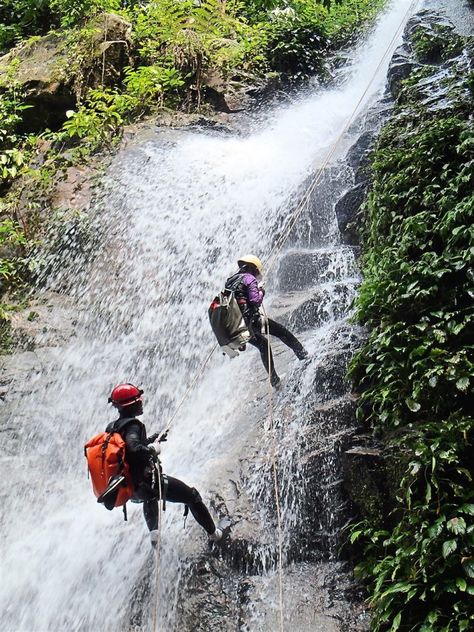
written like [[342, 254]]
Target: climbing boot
[[275, 381], [216, 536], [301, 353], [154, 537]]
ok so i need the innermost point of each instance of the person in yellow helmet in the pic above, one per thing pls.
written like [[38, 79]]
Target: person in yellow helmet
[[249, 295]]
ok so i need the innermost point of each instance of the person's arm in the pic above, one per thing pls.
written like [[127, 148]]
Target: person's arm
[[254, 293], [132, 438]]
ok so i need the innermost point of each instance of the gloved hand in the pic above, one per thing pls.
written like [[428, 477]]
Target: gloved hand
[[261, 287], [153, 452], [164, 437], [152, 438]]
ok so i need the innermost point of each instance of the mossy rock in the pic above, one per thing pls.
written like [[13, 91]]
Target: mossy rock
[[52, 71]]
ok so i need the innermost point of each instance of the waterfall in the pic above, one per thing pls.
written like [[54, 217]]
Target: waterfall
[[173, 214]]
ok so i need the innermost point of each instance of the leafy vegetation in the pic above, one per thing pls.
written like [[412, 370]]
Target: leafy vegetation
[[416, 372]]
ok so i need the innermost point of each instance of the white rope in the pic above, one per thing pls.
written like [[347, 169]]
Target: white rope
[[274, 457], [158, 547], [305, 199], [272, 258]]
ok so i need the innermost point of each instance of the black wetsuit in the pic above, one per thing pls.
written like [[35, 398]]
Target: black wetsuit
[[140, 459], [261, 342]]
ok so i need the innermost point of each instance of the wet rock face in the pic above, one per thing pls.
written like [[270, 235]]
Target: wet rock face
[[302, 270], [349, 204], [346, 210], [315, 597]]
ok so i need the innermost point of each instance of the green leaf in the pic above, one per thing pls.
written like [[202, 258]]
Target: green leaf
[[449, 547], [461, 584], [396, 622], [462, 384], [467, 508], [412, 405], [355, 535], [456, 525], [468, 566]]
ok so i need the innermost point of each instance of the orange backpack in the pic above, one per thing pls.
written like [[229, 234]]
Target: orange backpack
[[105, 454]]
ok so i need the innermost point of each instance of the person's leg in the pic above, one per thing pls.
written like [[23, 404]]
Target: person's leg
[[179, 492], [281, 332], [261, 343], [150, 512]]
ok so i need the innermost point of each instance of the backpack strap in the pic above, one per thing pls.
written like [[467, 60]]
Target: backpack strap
[[164, 489], [119, 424]]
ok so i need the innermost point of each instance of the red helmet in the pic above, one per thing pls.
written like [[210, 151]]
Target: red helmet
[[125, 395]]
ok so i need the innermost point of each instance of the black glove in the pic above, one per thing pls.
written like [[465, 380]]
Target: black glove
[[152, 438], [153, 453]]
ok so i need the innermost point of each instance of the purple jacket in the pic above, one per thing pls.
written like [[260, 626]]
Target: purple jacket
[[254, 294]]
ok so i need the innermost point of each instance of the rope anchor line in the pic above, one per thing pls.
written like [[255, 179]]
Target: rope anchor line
[[271, 261]]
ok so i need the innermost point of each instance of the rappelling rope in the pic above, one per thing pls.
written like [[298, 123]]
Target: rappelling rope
[[186, 393], [317, 178], [272, 258], [273, 255], [158, 547], [299, 209], [274, 457]]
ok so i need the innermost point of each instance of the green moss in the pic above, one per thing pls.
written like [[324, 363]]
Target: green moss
[[436, 44]]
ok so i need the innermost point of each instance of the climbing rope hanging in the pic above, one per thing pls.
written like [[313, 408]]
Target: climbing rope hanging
[[271, 262], [317, 178], [302, 204], [276, 487], [158, 554], [191, 385], [273, 255]]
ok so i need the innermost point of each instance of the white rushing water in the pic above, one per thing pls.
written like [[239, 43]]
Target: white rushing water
[[175, 214]]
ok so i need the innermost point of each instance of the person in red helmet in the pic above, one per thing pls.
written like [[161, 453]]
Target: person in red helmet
[[145, 469]]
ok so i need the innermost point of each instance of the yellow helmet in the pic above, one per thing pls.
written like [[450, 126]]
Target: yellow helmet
[[252, 260]]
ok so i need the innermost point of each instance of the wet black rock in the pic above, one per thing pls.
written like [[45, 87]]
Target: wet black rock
[[401, 67], [328, 302], [313, 205], [357, 155], [302, 270], [347, 210]]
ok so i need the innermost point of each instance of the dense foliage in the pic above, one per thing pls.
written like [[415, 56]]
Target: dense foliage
[[416, 371]]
